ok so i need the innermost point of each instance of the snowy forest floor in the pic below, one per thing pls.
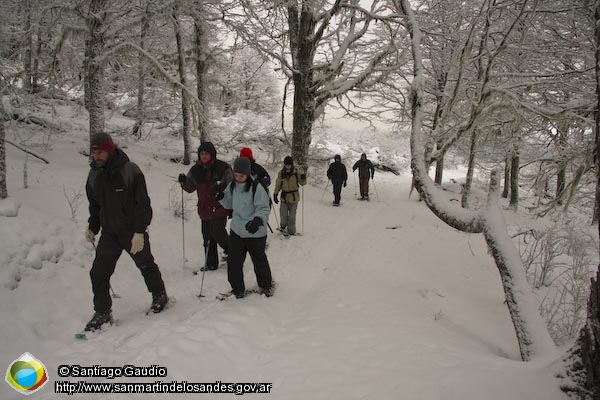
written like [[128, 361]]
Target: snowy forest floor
[[376, 300]]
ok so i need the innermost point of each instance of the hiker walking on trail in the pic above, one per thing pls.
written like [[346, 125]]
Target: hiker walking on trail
[[209, 177], [120, 206], [365, 171], [250, 207], [257, 171], [289, 180], [338, 176]]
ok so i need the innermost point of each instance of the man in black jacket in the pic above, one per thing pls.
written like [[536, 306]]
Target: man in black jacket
[[338, 176], [119, 204], [365, 171]]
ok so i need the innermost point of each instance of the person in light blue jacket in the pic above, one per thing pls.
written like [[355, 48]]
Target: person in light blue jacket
[[249, 203]]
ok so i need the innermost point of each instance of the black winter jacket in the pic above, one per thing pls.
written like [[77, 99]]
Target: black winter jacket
[[337, 172], [118, 197]]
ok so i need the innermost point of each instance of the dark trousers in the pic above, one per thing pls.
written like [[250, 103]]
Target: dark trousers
[[364, 187], [238, 247], [109, 249], [337, 191], [213, 233]]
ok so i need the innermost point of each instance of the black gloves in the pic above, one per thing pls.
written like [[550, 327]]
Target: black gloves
[[252, 226], [303, 176], [345, 183], [181, 178], [219, 196], [275, 199]]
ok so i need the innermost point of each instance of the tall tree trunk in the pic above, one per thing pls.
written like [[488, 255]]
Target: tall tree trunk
[[140, 113], [201, 70], [3, 188], [28, 51], [561, 175], [506, 186], [185, 107], [470, 170], [304, 111], [94, 69], [514, 175], [583, 359], [439, 168], [302, 24]]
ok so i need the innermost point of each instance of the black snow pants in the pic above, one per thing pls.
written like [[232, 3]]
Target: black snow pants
[[109, 249], [238, 247], [213, 233]]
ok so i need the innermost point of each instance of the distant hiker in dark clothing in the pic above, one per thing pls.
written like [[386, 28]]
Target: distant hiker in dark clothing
[[119, 204], [248, 233], [365, 171], [338, 176], [289, 180], [257, 170], [208, 178]]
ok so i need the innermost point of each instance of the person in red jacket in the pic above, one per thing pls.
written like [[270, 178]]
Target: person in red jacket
[[209, 177]]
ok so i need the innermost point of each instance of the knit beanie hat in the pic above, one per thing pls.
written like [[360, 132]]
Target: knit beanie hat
[[241, 165], [337, 157], [102, 141], [288, 161], [246, 152]]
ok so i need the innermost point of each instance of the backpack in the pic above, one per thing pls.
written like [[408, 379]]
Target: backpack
[[255, 183]]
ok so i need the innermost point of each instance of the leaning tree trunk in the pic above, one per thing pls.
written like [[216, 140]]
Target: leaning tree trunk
[[531, 331], [94, 69], [185, 107]]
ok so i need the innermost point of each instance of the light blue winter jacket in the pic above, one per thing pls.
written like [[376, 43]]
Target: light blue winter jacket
[[245, 208]]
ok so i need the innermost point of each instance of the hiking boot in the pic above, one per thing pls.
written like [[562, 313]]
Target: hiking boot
[[238, 295], [268, 292], [209, 268], [99, 319], [159, 301]]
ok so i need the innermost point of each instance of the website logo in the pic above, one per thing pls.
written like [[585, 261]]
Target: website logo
[[26, 374]]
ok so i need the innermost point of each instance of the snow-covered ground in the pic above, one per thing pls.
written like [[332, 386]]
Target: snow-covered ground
[[376, 300]]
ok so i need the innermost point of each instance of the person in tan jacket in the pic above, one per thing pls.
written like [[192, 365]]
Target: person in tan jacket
[[289, 180]]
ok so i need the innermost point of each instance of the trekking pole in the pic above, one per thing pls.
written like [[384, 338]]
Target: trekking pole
[[324, 189], [302, 200], [183, 227], [375, 186], [112, 291], [276, 220], [200, 295], [269, 226]]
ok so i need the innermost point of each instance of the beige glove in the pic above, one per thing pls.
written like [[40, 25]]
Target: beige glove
[[90, 236], [137, 243]]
